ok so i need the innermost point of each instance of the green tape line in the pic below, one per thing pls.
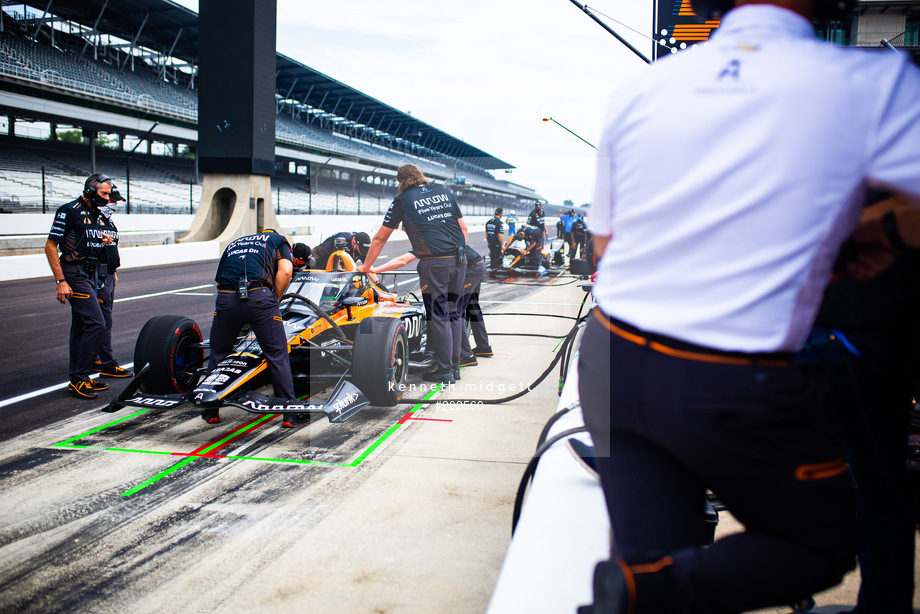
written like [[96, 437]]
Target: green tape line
[[99, 428], [159, 476]]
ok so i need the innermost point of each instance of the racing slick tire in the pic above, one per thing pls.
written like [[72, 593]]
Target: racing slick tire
[[168, 343], [380, 359]]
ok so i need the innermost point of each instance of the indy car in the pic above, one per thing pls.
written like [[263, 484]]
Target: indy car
[[344, 331], [516, 263]]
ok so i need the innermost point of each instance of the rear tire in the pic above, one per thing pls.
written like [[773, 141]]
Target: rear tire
[[380, 359], [165, 342]]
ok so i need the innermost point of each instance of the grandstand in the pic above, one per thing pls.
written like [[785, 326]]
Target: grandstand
[[82, 82]]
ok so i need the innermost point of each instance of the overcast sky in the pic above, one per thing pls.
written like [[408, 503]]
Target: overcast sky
[[485, 71]]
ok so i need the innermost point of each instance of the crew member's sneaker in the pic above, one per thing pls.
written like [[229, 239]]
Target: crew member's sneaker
[[82, 389], [292, 421], [456, 371], [211, 415], [115, 371], [611, 592], [469, 361], [98, 386], [97, 366], [584, 454], [485, 351], [445, 376]]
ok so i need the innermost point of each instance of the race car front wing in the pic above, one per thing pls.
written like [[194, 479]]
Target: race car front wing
[[345, 401]]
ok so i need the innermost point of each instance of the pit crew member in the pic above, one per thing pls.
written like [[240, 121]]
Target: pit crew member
[[495, 238], [472, 313], [78, 232], [107, 364], [355, 243], [437, 232], [253, 273], [511, 220], [302, 256], [685, 375], [538, 219], [533, 237]]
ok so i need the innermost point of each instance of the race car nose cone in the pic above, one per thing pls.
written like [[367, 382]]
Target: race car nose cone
[[205, 397]]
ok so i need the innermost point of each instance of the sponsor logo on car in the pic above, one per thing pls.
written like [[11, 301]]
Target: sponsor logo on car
[[340, 405], [281, 407], [148, 402]]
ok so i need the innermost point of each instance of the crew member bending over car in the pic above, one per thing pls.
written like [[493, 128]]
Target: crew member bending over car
[[533, 237], [437, 232], [355, 243], [252, 276], [78, 232], [303, 256]]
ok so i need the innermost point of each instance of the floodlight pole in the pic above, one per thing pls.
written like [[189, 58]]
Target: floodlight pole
[[550, 119], [584, 8]]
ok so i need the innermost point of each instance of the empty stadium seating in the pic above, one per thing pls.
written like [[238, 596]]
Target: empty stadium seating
[[161, 184]]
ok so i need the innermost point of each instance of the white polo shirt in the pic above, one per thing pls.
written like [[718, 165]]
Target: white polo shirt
[[730, 175]]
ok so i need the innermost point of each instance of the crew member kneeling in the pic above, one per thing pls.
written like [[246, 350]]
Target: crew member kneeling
[[252, 276]]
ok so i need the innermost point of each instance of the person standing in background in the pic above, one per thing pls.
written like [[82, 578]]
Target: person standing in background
[[77, 232], [107, 365], [495, 238]]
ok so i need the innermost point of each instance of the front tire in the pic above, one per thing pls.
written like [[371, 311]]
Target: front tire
[[380, 359], [168, 344]]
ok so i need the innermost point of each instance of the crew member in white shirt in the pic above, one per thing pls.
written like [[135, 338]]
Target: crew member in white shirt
[[714, 260]]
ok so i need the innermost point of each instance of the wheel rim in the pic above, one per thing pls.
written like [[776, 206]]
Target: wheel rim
[[186, 359], [397, 370]]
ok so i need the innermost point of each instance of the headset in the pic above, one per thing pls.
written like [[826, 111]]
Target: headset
[[824, 9], [91, 192]]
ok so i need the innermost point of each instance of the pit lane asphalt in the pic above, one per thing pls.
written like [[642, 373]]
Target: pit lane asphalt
[[73, 540], [36, 328]]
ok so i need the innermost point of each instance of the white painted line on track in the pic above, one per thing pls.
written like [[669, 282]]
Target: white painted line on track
[[178, 291], [38, 393]]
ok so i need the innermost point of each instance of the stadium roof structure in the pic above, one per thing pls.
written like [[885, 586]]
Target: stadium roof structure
[[172, 30]]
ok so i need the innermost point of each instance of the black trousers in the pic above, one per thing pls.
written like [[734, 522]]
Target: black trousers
[[472, 313], [87, 324], [261, 312], [869, 400], [106, 297], [441, 282], [495, 255], [668, 427]]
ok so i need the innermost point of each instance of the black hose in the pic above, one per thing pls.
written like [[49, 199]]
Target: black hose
[[526, 283], [527, 335], [532, 469], [536, 315], [567, 340]]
